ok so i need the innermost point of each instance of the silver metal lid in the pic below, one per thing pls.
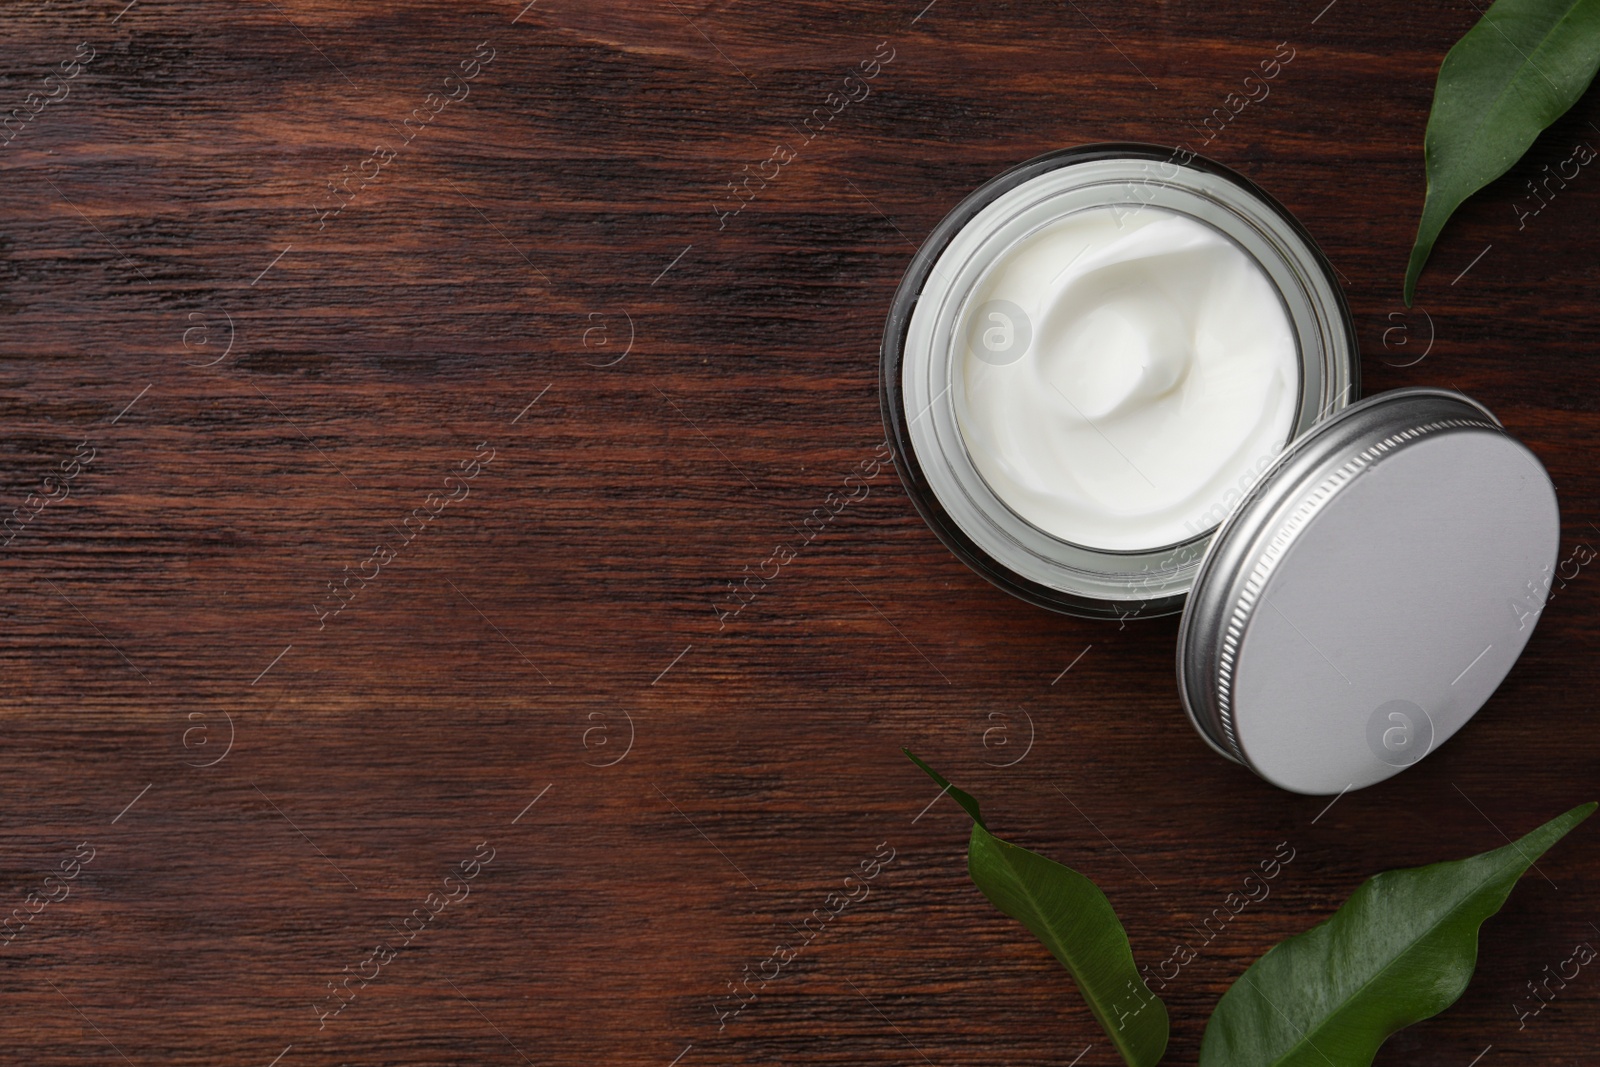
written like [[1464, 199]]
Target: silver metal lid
[[1370, 593]]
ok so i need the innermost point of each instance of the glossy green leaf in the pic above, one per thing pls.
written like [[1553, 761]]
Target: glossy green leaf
[[1401, 949], [1075, 921], [1514, 73]]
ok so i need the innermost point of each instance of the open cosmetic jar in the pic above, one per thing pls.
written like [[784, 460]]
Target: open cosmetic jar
[[1122, 381], [1091, 359]]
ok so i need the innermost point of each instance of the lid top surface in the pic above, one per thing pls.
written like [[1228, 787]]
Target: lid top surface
[[1361, 607]]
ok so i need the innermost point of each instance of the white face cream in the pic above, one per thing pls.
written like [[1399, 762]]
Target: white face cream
[[1122, 375]]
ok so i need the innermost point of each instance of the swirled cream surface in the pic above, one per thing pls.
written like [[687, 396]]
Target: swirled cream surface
[[1126, 376]]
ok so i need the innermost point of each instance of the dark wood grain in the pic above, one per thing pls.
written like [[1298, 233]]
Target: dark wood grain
[[565, 608]]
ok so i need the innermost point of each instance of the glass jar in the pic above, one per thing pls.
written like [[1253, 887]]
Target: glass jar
[[925, 344]]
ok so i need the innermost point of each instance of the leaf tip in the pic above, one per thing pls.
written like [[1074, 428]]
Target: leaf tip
[[1414, 271], [969, 805], [1571, 820], [929, 771]]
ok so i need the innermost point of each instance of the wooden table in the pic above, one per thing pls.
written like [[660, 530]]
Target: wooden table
[[387, 601]]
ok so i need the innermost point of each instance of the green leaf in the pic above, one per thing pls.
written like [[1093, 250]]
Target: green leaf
[[1514, 73], [1075, 921], [1401, 949]]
